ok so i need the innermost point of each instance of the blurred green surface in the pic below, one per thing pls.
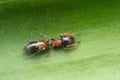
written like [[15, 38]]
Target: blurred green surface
[[95, 58]]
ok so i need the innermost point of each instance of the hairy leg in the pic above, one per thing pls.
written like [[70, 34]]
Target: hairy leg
[[68, 34], [70, 46], [33, 54], [74, 44]]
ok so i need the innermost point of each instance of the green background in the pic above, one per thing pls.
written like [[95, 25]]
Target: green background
[[97, 57]]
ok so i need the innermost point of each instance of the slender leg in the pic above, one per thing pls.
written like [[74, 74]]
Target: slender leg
[[71, 45], [33, 54], [44, 36], [48, 53], [66, 48], [67, 34]]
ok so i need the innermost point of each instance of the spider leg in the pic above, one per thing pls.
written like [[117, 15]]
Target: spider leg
[[68, 34], [74, 44], [44, 36], [33, 54], [69, 46]]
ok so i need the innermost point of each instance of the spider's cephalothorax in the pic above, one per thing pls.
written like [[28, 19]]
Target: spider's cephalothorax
[[68, 40], [56, 43]]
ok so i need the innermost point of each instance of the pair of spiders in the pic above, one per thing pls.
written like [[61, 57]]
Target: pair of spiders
[[66, 40]]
